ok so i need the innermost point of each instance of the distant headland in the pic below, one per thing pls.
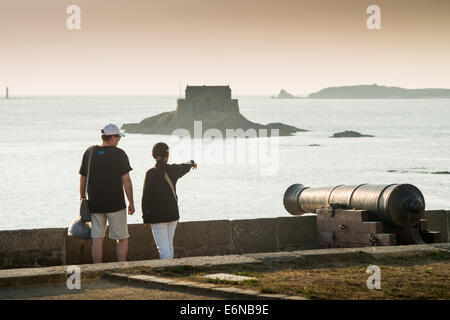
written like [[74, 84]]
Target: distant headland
[[378, 92], [213, 106]]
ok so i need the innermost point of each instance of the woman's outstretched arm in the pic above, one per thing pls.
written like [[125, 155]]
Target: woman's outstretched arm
[[183, 168]]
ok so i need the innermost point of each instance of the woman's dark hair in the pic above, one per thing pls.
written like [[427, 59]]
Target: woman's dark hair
[[160, 150]]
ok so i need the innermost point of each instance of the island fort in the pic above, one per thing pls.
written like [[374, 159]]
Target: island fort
[[213, 106]]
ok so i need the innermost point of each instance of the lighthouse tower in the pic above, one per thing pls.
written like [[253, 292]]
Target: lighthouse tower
[[7, 93]]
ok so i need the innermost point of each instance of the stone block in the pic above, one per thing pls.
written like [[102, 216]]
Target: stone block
[[228, 277], [141, 245], [439, 220], [34, 239], [254, 235], [32, 248], [294, 233], [203, 238], [78, 251]]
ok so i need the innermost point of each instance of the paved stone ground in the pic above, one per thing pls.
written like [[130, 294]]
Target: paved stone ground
[[101, 289]]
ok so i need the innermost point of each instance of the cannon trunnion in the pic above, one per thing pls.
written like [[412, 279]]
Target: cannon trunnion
[[363, 215]]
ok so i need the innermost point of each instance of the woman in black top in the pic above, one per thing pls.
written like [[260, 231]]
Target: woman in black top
[[159, 199]]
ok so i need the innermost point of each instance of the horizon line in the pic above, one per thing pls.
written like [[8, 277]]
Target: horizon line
[[300, 95]]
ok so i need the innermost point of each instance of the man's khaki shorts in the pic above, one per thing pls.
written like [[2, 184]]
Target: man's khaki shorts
[[117, 222]]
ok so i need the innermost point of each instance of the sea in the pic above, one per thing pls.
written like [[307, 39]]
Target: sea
[[43, 138]]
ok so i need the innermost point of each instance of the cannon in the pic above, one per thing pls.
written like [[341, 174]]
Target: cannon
[[361, 215]]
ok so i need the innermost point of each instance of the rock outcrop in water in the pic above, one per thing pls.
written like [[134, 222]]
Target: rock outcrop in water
[[284, 95], [210, 104], [414, 171], [349, 134]]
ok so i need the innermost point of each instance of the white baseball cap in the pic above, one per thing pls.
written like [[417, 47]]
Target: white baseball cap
[[111, 129]]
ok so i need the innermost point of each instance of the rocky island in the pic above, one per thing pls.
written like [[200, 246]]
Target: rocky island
[[349, 134], [213, 106], [378, 92], [284, 95]]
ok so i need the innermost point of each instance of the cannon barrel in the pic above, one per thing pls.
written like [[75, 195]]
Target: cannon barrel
[[400, 205]]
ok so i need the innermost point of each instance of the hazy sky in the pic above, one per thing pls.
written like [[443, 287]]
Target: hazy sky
[[255, 46]]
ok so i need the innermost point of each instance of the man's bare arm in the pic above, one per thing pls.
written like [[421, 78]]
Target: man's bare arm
[[128, 186], [82, 187]]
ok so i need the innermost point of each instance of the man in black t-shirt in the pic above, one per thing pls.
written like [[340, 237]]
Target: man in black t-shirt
[[108, 177]]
